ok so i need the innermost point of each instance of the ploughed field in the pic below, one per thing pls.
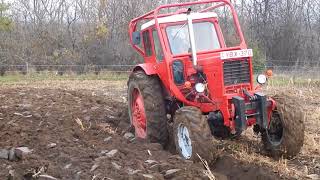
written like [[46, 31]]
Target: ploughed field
[[80, 130]]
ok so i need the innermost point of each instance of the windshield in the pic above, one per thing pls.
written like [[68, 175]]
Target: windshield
[[205, 36]]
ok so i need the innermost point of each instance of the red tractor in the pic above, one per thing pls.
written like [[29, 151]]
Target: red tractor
[[194, 80]]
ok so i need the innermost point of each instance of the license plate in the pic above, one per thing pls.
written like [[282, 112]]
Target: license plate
[[236, 54]]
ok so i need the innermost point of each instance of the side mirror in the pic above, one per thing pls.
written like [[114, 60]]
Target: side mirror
[[136, 38]]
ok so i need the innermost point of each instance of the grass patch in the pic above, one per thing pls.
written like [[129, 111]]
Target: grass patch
[[43, 76], [286, 80]]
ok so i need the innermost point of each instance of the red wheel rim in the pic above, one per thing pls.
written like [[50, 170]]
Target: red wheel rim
[[138, 114]]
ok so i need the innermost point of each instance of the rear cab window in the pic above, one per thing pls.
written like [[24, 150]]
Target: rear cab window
[[157, 46], [147, 43]]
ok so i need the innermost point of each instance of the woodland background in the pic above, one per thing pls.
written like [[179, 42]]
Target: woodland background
[[59, 34]]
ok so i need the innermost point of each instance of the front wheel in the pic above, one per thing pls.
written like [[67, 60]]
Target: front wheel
[[285, 133], [192, 135]]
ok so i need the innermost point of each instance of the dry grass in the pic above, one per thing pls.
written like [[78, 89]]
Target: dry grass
[[281, 80], [207, 172]]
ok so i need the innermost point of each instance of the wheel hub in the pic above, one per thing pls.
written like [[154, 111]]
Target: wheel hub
[[138, 114], [275, 130], [184, 141]]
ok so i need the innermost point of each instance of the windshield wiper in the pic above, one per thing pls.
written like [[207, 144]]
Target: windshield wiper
[[179, 30]]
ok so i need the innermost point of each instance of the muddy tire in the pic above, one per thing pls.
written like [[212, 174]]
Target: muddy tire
[[190, 121], [152, 108], [285, 135]]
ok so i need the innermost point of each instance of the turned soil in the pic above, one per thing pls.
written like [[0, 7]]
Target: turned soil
[[45, 118]]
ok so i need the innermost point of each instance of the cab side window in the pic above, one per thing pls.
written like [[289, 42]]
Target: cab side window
[[157, 46], [147, 43]]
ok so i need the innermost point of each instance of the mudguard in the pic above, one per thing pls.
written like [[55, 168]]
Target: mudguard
[[148, 68]]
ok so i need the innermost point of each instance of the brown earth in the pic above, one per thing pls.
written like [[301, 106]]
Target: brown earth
[[38, 114]]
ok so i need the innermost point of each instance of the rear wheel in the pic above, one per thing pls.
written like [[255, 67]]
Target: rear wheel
[[147, 108], [192, 135], [285, 134]]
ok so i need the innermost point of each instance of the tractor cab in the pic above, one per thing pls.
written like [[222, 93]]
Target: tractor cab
[[199, 63]]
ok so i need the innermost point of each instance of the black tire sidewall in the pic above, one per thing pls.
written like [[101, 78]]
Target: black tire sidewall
[[142, 82], [199, 133], [292, 119]]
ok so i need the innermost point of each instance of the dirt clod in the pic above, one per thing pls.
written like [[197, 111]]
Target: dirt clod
[[94, 167], [22, 152], [112, 153], [107, 139], [128, 135], [116, 166], [4, 154], [51, 145], [313, 176], [151, 162], [12, 156], [171, 173], [148, 176]]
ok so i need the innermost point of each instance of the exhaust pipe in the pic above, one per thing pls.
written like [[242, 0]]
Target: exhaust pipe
[[192, 39]]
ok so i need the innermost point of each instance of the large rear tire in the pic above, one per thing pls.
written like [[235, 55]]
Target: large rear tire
[[147, 108], [285, 134], [192, 135]]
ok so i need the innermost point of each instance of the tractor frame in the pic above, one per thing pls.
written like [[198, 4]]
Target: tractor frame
[[230, 100]]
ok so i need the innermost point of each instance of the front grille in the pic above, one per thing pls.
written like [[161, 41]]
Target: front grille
[[236, 72]]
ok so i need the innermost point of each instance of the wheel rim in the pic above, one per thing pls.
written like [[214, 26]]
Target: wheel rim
[[275, 129], [184, 141], [138, 114]]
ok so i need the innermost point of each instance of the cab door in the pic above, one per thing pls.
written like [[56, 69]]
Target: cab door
[[148, 52], [159, 58]]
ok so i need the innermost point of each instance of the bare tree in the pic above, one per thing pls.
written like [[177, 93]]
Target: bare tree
[[87, 33]]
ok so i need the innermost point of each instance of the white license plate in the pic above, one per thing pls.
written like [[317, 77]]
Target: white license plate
[[236, 54]]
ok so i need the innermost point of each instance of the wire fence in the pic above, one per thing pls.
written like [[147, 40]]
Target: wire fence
[[297, 70], [307, 69], [312, 72], [64, 69]]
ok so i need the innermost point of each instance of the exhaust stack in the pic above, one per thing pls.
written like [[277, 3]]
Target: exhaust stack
[[192, 39]]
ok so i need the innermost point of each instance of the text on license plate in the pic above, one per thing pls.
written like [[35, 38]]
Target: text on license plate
[[236, 54]]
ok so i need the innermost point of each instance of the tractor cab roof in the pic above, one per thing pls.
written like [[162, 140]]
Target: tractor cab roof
[[179, 18], [177, 13]]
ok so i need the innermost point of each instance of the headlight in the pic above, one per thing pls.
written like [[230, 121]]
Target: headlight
[[200, 87], [262, 79]]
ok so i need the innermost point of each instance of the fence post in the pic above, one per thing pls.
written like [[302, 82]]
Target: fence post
[[27, 67]]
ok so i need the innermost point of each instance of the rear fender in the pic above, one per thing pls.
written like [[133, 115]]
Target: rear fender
[[148, 68]]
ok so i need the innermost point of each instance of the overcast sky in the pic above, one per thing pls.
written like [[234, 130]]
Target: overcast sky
[[8, 1]]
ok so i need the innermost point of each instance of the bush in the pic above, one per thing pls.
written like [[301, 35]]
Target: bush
[[259, 59], [3, 70]]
